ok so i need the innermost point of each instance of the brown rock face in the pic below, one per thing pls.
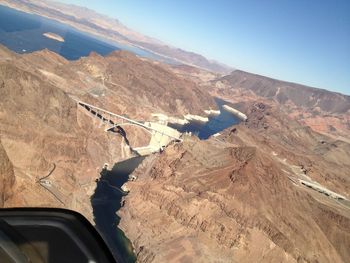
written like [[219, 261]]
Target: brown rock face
[[267, 190], [237, 198], [45, 135], [324, 111], [145, 84], [39, 131], [7, 177], [323, 158], [283, 92]]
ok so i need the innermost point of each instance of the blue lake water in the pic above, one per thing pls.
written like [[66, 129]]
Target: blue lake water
[[214, 125], [23, 33]]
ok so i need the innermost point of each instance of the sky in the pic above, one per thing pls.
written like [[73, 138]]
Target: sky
[[302, 41]]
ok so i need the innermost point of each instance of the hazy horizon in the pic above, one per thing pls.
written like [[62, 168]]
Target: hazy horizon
[[305, 43]]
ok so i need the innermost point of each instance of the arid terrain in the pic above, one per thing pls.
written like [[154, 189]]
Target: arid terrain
[[243, 196], [322, 110], [51, 151], [271, 189]]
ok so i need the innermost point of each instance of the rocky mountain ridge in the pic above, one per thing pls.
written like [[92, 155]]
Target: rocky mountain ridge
[[284, 92], [238, 196], [262, 191], [45, 134], [323, 111]]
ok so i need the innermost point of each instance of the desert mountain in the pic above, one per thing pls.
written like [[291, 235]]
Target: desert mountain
[[270, 189], [45, 135], [324, 111], [274, 188], [288, 93], [238, 197]]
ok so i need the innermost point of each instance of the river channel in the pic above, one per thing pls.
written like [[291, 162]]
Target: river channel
[[108, 195]]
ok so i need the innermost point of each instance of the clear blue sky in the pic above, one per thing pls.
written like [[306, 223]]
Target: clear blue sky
[[303, 41]]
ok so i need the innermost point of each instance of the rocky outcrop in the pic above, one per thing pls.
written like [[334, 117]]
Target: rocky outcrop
[[322, 110], [323, 158], [148, 84], [286, 92], [121, 82], [40, 130], [235, 198], [7, 177], [45, 134]]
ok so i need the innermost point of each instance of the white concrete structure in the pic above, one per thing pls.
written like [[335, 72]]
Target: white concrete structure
[[161, 134], [178, 121], [212, 113], [196, 118], [235, 112]]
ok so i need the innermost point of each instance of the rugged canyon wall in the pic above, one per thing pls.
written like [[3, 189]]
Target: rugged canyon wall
[[7, 177], [57, 149], [42, 136], [237, 198], [322, 110]]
